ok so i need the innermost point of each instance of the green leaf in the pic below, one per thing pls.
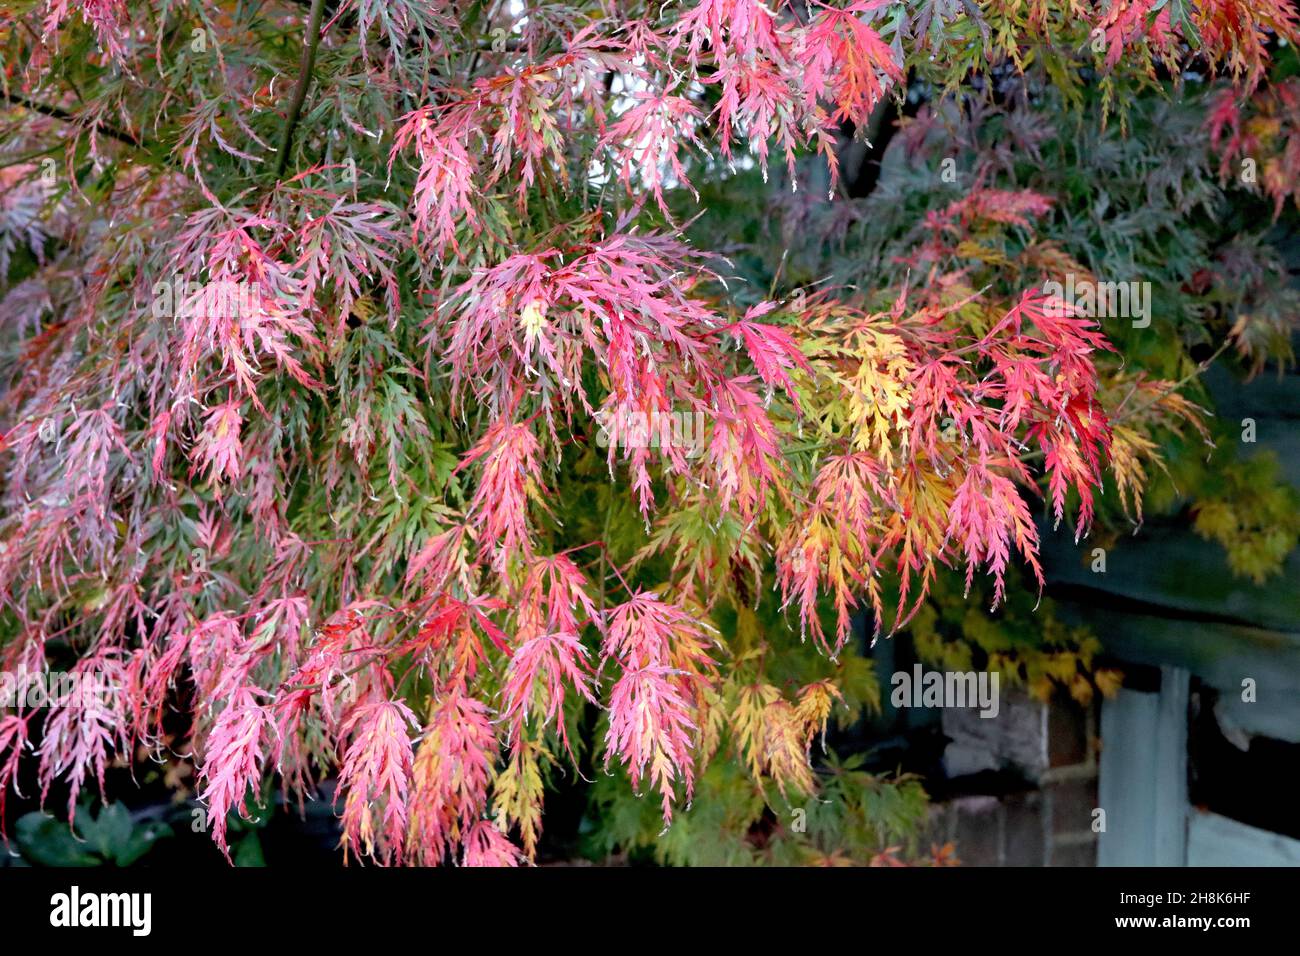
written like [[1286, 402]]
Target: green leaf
[[45, 841], [248, 852], [110, 831], [139, 843]]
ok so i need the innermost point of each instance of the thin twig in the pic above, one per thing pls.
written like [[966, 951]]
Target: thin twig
[[1199, 370], [28, 157]]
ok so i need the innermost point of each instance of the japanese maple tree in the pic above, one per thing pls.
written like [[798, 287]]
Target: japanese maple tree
[[339, 341]]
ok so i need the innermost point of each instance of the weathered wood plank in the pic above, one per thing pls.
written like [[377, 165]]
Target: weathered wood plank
[[1172, 568], [1143, 785], [1170, 770], [1213, 840], [1126, 789], [1222, 655]]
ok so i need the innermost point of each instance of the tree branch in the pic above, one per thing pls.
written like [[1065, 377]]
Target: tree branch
[[122, 136], [304, 80]]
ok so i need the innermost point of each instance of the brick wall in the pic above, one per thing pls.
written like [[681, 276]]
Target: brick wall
[[1052, 748]]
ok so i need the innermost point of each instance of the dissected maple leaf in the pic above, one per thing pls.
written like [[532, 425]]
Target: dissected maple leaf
[[233, 760], [375, 779]]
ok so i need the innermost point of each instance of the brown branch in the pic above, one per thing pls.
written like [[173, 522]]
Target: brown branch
[[59, 113], [304, 80]]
